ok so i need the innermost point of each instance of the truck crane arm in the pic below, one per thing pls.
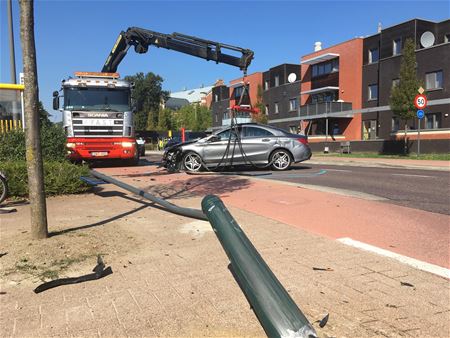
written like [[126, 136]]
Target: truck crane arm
[[142, 39]]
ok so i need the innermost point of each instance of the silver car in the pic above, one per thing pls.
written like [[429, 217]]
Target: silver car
[[257, 144]]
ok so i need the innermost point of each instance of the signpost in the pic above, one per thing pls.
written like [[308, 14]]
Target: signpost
[[420, 115], [420, 101]]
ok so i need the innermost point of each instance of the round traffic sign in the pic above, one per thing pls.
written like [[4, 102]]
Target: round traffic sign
[[420, 101], [420, 114]]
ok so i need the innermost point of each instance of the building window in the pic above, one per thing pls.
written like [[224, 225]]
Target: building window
[[266, 85], [434, 80], [216, 98], [374, 55], [395, 124], [433, 121], [266, 109], [373, 92], [238, 92], [216, 117], [325, 68], [395, 82], [277, 110], [293, 104], [324, 97], [277, 80], [396, 46]]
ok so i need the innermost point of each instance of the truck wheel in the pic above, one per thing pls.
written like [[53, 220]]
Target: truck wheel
[[133, 161]]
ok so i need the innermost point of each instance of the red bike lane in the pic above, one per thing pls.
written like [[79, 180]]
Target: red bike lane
[[414, 233]]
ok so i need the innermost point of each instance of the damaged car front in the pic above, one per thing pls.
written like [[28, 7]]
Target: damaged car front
[[173, 155]]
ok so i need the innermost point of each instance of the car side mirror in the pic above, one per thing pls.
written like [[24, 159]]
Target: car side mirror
[[214, 139], [55, 100]]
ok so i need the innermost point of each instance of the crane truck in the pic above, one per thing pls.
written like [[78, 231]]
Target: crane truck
[[97, 107]]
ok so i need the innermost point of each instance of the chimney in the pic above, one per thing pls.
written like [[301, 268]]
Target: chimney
[[218, 83], [317, 46], [379, 27]]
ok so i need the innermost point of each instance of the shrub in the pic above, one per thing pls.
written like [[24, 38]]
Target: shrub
[[59, 178], [53, 139]]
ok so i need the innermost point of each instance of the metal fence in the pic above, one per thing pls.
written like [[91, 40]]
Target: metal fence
[[11, 107]]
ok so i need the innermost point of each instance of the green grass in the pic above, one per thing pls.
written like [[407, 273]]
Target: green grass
[[412, 156], [45, 271]]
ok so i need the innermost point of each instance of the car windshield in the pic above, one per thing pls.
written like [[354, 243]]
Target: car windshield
[[103, 99]]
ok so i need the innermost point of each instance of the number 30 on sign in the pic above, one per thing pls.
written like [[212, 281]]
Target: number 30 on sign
[[420, 101]]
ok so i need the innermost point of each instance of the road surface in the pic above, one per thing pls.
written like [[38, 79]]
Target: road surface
[[414, 188]]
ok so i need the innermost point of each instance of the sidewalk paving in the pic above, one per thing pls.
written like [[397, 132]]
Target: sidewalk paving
[[381, 162], [171, 275]]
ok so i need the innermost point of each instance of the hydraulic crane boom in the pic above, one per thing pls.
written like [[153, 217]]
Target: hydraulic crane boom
[[142, 39]]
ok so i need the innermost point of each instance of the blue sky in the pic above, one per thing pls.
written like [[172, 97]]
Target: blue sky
[[78, 35]]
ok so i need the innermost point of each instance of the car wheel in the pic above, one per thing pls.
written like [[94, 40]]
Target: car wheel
[[192, 162], [280, 159]]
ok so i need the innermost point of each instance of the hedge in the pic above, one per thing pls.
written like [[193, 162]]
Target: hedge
[[53, 140], [61, 177]]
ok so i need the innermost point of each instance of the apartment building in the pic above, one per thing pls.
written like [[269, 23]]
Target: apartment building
[[281, 88], [341, 93], [225, 97], [382, 55]]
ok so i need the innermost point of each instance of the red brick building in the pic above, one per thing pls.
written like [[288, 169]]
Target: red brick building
[[331, 90]]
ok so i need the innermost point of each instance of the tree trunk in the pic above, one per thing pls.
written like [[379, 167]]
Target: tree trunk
[[405, 139], [32, 134]]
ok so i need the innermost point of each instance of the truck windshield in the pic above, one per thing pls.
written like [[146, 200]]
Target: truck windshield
[[103, 99]]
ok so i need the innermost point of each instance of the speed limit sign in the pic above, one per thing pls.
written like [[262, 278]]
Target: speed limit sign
[[420, 101]]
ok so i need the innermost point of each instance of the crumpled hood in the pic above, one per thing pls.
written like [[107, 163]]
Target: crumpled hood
[[183, 143]]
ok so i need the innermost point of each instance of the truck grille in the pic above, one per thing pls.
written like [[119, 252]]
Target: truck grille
[[97, 131], [97, 126]]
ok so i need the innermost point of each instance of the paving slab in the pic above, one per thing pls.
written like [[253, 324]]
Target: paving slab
[[171, 277], [439, 165]]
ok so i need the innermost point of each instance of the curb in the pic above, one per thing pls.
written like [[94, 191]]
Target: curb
[[380, 165]]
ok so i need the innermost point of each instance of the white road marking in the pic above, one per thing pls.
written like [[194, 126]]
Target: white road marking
[[411, 175], [343, 170], [415, 263], [343, 192]]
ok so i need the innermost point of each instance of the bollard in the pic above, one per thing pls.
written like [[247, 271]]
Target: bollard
[[275, 309]]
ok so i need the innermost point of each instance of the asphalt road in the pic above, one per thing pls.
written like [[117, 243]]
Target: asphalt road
[[420, 189]]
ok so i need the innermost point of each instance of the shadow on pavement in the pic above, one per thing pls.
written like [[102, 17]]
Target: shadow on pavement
[[118, 164], [198, 186], [109, 194]]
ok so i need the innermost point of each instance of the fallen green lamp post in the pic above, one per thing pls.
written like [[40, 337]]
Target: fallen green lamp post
[[275, 309]]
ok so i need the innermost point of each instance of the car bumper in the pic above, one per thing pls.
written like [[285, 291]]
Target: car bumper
[[302, 154]]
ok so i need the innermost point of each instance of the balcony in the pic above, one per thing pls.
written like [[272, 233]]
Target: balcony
[[324, 109], [240, 118]]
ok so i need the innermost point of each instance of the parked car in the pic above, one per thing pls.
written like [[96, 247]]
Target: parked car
[[261, 145], [141, 146]]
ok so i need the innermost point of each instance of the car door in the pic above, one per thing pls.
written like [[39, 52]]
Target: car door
[[257, 143], [217, 146]]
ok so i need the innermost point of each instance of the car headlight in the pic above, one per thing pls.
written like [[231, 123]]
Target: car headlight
[[70, 145], [127, 144]]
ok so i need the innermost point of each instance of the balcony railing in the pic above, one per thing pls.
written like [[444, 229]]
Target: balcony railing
[[227, 121], [324, 108], [241, 117]]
